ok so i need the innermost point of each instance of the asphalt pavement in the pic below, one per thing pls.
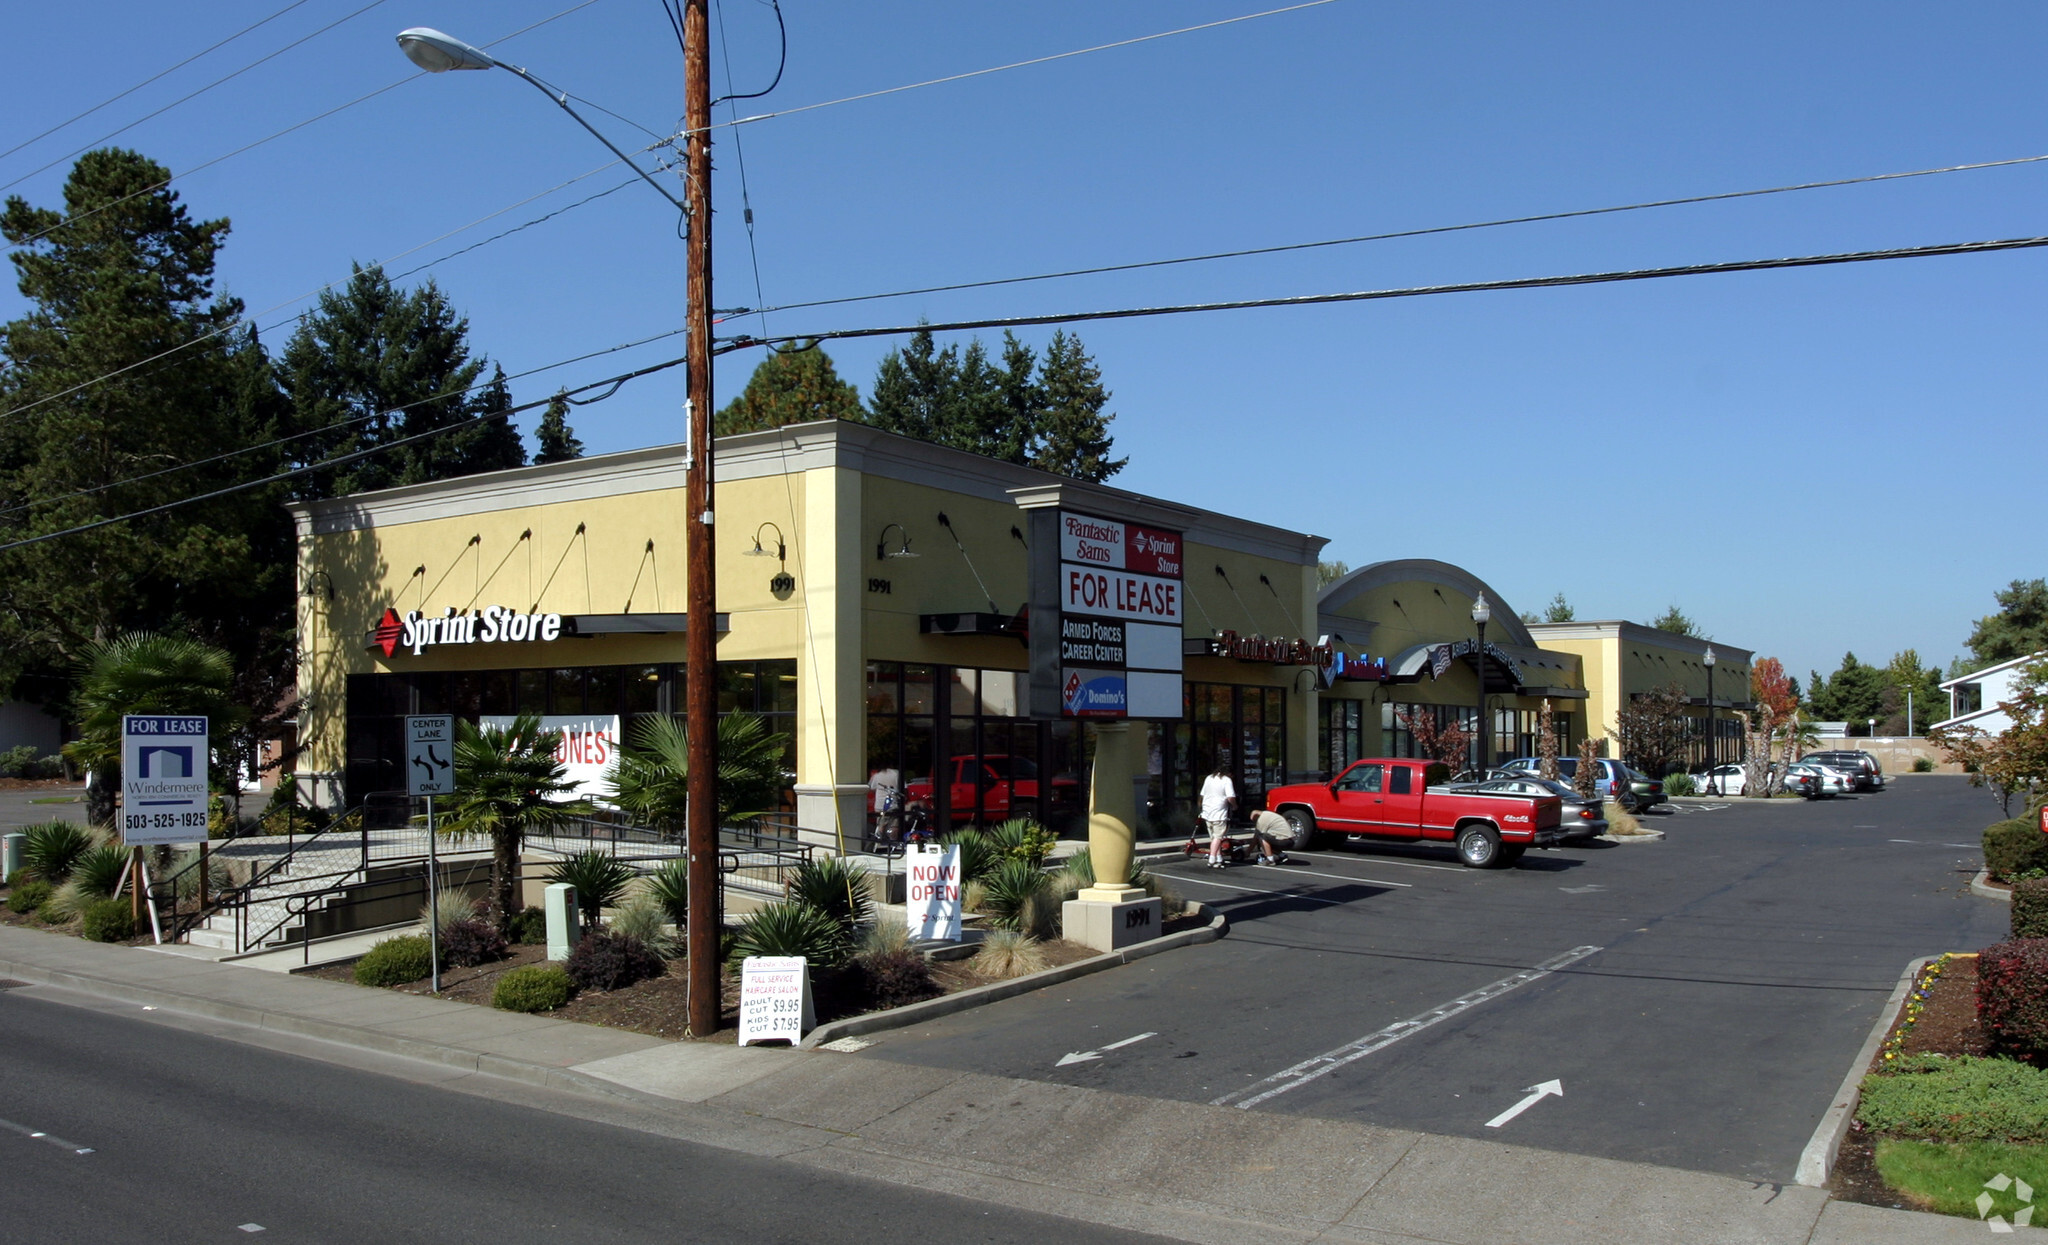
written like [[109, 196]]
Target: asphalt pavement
[[115, 1128], [1697, 999]]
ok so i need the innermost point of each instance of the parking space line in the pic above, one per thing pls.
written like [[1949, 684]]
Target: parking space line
[[1309, 1069], [1252, 890], [1384, 860], [38, 1135], [1341, 877]]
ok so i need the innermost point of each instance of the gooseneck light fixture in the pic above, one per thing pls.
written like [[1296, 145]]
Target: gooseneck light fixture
[[902, 549], [781, 553]]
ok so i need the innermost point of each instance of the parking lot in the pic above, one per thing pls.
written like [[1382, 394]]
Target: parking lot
[[1697, 999]]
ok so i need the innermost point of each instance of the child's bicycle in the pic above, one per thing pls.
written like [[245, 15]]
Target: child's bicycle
[[1235, 851]]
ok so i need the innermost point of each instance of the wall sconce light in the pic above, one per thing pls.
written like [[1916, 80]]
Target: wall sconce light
[[781, 552], [309, 589], [902, 549]]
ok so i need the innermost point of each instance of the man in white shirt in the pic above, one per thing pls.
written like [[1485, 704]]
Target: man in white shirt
[[1219, 796]]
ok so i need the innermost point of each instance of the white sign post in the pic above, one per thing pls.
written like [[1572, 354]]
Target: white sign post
[[163, 780], [430, 771], [932, 891], [775, 999]]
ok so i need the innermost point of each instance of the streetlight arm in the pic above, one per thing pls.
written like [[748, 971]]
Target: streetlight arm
[[561, 100]]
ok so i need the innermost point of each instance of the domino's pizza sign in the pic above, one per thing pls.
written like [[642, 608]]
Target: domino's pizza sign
[[163, 779]]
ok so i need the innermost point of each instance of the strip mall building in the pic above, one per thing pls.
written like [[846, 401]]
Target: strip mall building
[[918, 617]]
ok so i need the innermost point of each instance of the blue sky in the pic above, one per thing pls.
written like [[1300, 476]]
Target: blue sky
[[1808, 462]]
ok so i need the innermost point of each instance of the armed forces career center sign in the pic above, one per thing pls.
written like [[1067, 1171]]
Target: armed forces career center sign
[[1112, 591]]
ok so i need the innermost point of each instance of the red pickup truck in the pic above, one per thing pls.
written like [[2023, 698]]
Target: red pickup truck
[[1396, 799], [1000, 780]]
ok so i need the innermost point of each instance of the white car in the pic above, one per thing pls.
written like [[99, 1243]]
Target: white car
[[1720, 780]]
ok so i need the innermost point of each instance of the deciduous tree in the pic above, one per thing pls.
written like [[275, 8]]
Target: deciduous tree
[[1652, 729], [1440, 738]]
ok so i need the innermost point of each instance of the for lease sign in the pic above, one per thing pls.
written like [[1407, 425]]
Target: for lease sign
[[163, 779], [1119, 594]]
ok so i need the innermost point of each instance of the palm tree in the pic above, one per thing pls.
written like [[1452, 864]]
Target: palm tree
[[508, 784], [143, 672], [652, 773]]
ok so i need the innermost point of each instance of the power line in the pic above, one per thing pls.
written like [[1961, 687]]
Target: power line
[[316, 291], [1426, 231], [738, 148], [195, 94], [326, 463], [290, 129], [114, 99], [1036, 60], [347, 423], [1415, 291]]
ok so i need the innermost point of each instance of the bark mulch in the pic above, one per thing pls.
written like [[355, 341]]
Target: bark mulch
[[659, 1006], [1947, 1026]]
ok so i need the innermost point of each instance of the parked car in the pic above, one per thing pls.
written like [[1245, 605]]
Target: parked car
[[1407, 800], [1649, 792], [1830, 781], [1580, 818], [1630, 797], [1720, 780], [1861, 766], [1002, 781]]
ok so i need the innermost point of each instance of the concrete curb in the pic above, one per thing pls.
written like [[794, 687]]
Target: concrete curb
[[995, 992], [543, 1075], [1978, 887], [1817, 1160], [1647, 836]]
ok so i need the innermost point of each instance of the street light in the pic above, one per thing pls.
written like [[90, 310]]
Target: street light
[[437, 52], [1708, 662], [1481, 614]]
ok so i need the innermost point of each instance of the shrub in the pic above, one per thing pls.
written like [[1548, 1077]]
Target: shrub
[[529, 927], [977, 855], [834, 887], [27, 895], [895, 977], [1023, 839], [1678, 784], [184, 874], [669, 886], [1924, 765], [108, 920], [447, 906], [1620, 822], [396, 962], [790, 928], [2030, 908], [97, 872], [599, 880], [644, 918], [2013, 847], [53, 848], [53, 911], [1006, 953], [606, 960], [470, 941], [2012, 997], [534, 988], [1014, 889], [16, 762], [1961, 1099]]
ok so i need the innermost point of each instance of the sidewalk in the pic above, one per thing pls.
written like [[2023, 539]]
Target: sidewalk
[[1195, 1172]]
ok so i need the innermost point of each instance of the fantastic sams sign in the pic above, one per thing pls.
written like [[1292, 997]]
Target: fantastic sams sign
[[1116, 649]]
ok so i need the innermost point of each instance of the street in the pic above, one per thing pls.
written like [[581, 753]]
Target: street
[[1705, 994], [115, 1128]]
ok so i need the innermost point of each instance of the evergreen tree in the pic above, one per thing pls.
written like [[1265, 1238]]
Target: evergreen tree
[[914, 388], [120, 286], [1559, 610], [1075, 429], [1853, 694], [373, 364], [2018, 629], [793, 386], [1674, 621], [557, 439]]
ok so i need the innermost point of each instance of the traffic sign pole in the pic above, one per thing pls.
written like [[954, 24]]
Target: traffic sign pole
[[433, 900]]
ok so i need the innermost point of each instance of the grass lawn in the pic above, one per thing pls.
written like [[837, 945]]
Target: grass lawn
[[1948, 1176], [59, 799]]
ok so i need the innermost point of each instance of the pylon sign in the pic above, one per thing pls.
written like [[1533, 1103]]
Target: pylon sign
[[163, 779], [430, 754]]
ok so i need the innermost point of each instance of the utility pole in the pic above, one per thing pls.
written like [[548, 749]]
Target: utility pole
[[701, 675]]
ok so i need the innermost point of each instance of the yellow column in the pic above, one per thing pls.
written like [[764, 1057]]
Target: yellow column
[[1113, 813]]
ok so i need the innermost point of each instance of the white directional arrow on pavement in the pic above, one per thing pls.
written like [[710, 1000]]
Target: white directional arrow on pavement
[[1083, 1056], [1537, 1093]]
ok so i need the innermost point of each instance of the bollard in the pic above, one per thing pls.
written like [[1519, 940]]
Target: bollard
[[10, 854], [563, 934]]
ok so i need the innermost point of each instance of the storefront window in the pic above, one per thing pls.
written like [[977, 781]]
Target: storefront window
[[1243, 727]]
